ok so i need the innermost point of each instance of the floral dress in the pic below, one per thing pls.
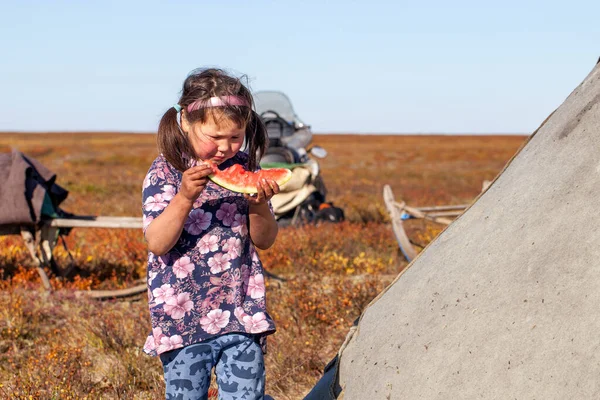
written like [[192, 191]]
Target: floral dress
[[211, 282]]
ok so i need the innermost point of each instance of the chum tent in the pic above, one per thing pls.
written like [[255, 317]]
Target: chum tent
[[505, 302]]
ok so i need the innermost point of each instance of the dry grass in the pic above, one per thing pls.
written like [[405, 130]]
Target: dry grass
[[64, 347]]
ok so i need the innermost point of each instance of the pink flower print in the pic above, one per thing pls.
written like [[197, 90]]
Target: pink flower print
[[256, 286], [150, 345], [153, 340], [204, 196], [155, 203], [239, 224], [215, 320], [231, 296], [198, 221], [168, 192], [256, 323], [157, 333], [233, 247], [227, 213], [151, 276], [163, 293], [177, 306], [169, 343], [254, 255], [183, 267], [154, 176], [208, 243], [244, 272], [146, 220], [162, 261], [147, 181], [218, 263], [240, 314], [162, 173]]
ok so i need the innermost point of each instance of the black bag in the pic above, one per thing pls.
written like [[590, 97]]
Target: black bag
[[330, 213], [328, 387]]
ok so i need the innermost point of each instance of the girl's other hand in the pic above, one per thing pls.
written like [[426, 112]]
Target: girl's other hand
[[267, 188], [194, 180]]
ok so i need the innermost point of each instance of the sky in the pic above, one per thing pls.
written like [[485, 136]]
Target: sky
[[438, 66]]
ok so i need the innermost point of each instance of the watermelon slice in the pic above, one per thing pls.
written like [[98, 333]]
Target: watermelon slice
[[237, 179]]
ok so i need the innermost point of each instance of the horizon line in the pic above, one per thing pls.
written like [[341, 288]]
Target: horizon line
[[314, 133]]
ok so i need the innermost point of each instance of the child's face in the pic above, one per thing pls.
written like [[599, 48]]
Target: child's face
[[218, 139]]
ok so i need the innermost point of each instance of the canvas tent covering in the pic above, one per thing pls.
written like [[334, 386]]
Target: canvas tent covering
[[28, 192], [505, 303]]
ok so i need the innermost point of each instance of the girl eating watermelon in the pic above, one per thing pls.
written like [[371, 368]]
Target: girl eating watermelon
[[206, 289]]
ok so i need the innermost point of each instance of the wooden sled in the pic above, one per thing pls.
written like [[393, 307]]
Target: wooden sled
[[43, 239], [399, 211]]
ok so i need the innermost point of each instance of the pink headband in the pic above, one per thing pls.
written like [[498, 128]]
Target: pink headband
[[217, 102]]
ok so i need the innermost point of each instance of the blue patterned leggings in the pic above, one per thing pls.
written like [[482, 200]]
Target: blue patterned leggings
[[238, 362]]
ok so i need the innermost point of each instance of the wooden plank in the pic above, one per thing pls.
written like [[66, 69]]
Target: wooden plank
[[445, 213], [434, 208], [443, 208], [486, 184], [418, 214], [98, 222], [109, 294], [82, 222]]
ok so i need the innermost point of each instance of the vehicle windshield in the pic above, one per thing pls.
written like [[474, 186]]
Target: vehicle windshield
[[278, 102]]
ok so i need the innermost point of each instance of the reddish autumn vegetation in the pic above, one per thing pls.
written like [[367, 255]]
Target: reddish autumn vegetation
[[63, 346]]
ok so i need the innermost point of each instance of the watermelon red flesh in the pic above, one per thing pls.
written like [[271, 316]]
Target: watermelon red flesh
[[237, 179]]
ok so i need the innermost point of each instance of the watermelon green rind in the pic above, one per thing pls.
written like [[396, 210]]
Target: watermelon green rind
[[281, 165], [223, 182], [231, 186]]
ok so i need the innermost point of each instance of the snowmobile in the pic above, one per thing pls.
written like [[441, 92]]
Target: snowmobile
[[304, 198]]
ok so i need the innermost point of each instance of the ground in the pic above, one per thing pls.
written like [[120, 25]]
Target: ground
[[69, 347]]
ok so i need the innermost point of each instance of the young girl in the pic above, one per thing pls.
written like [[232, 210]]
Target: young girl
[[206, 288]]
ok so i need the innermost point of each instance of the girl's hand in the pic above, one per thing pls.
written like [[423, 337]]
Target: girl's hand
[[194, 180], [267, 188]]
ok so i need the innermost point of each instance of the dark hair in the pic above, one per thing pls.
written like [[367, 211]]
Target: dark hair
[[201, 85]]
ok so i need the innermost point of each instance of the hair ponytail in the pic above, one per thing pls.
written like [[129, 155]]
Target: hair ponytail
[[172, 142], [256, 139]]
